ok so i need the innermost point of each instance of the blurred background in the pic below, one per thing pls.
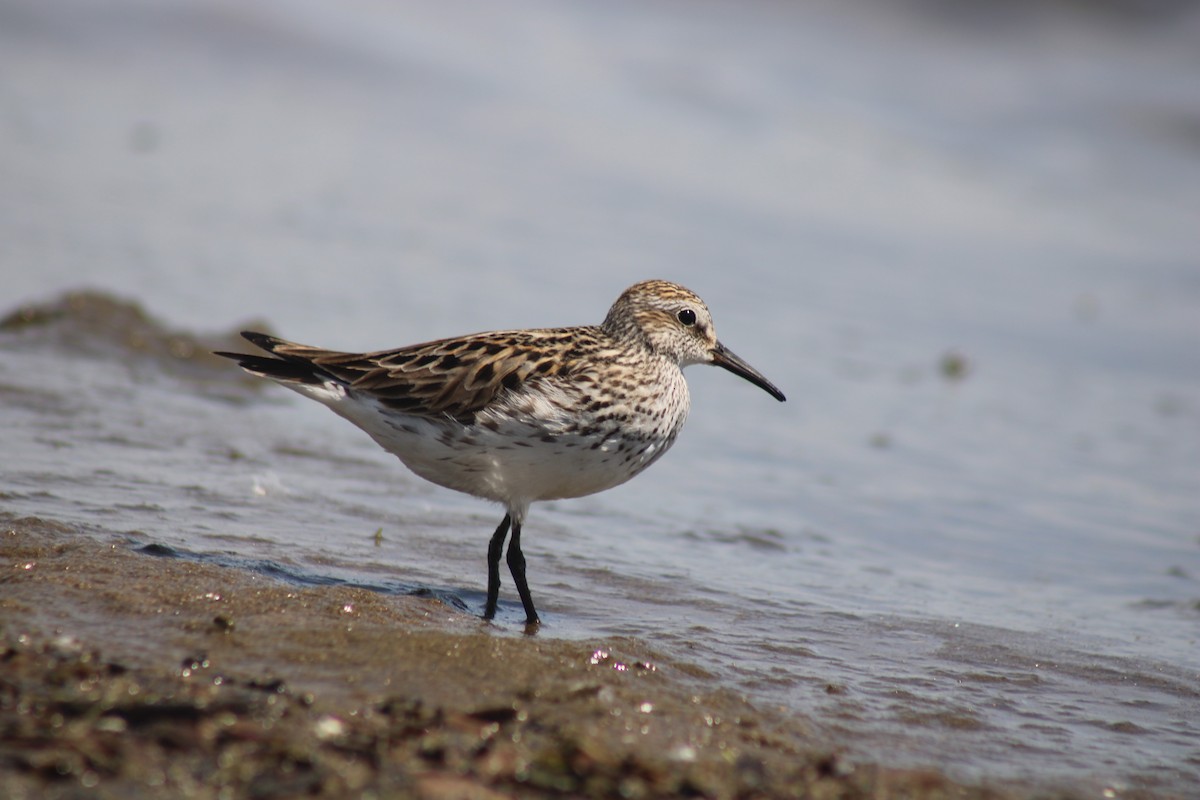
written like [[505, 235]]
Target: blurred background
[[964, 238]]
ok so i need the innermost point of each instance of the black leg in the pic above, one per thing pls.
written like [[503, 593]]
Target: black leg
[[494, 550], [516, 565]]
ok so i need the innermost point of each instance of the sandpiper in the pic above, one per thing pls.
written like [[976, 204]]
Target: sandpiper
[[522, 415]]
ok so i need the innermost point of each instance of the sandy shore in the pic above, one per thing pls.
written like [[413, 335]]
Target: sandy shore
[[130, 675]]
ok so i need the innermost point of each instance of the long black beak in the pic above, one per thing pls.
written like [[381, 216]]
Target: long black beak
[[724, 357]]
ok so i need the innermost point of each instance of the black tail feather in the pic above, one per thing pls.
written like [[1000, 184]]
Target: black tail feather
[[277, 368], [265, 341], [284, 368]]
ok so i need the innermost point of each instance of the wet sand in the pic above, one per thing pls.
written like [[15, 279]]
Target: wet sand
[[134, 675]]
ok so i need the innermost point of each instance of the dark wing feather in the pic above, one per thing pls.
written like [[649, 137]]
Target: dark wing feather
[[456, 377]]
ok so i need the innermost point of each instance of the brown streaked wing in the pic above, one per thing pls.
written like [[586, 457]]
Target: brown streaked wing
[[456, 377]]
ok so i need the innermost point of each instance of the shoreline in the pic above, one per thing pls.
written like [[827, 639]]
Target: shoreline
[[139, 676]]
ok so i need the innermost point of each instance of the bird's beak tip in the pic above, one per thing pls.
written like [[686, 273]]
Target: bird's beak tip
[[725, 358]]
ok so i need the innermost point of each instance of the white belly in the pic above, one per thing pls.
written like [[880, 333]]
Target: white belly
[[514, 461], [539, 446]]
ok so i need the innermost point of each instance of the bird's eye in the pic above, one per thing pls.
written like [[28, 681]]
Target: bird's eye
[[687, 317]]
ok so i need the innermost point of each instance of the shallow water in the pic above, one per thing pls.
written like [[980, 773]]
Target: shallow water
[[997, 573]]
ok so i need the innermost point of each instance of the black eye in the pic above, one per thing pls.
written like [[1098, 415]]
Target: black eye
[[687, 317]]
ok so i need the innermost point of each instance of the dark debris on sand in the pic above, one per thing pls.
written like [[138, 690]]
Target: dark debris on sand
[[73, 724], [118, 681]]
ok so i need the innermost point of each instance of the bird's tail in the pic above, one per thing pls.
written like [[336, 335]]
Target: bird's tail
[[285, 367]]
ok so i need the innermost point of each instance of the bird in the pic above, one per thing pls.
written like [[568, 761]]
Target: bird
[[520, 416]]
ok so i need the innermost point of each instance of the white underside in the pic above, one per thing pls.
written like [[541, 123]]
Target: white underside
[[511, 465]]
